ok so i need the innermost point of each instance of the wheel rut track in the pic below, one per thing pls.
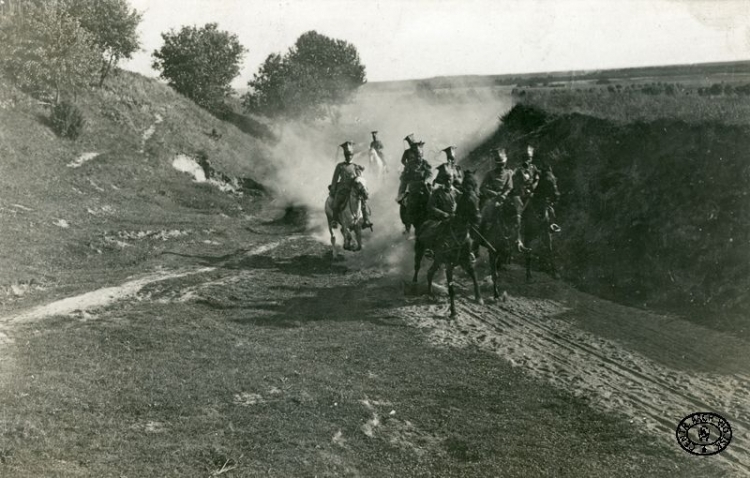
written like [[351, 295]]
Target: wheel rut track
[[615, 378]]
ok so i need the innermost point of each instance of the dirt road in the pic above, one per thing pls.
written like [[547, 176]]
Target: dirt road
[[646, 369]]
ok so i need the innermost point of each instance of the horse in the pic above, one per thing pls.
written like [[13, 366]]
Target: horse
[[413, 206], [538, 223], [378, 164], [451, 244], [350, 218], [499, 234]]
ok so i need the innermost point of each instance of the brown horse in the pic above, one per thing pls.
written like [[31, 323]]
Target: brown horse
[[350, 217], [451, 244]]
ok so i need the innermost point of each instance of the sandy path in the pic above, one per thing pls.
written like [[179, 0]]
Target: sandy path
[[525, 332], [106, 296]]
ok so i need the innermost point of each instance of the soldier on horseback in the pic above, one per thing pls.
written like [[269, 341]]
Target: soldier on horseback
[[450, 169], [341, 185], [525, 181], [377, 146], [416, 168], [496, 187], [441, 207], [497, 184]]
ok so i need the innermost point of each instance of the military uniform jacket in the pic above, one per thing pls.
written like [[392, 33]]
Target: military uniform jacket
[[442, 203], [409, 156], [525, 180], [344, 174], [498, 182], [417, 169]]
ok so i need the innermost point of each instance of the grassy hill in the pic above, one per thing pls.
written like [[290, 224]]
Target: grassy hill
[[66, 203]]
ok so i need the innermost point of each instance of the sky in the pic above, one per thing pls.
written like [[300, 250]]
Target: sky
[[407, 39]]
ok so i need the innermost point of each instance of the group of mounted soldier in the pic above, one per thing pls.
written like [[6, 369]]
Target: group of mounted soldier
[[454, 216], [429, 207]]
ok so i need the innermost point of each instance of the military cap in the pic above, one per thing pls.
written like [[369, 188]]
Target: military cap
[[449, 150], [347, 146], [409, 138], [374, 133], [500, 155]]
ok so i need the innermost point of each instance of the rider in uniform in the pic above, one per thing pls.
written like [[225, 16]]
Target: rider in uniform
[[525, 180], [377, 146], [498, 183], [450, 169], [341, 185], [416, 168], [441, 207]]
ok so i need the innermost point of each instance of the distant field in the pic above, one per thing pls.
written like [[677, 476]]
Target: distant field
[[626, 106]]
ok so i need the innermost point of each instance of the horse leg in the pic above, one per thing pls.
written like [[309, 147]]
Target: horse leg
[[333, 239], [358, 236], [528, 266], [469, 268], [418, 254], [493, 270], [430, 275], [451, 292], [550, 256]]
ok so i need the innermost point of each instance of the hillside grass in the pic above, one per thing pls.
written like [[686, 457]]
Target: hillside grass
[[55, 220]]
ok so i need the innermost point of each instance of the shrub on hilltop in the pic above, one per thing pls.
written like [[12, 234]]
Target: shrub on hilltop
[[314, 76], [200, 63]]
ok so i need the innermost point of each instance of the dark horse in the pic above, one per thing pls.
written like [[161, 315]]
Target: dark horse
[[538, 223], [413, 207], [450, 242], [500, 235]]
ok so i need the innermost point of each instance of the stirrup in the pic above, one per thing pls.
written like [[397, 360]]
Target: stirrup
[[472, 257], [428, 253]]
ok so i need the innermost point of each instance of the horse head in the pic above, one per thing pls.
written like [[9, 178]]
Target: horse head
[[359, 188]]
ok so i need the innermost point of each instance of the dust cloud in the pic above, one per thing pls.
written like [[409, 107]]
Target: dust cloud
[[306, 154]]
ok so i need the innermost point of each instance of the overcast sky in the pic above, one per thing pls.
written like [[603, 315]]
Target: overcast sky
[[401, 39]]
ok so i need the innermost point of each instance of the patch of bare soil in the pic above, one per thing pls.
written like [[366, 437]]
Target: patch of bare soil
[[543, 336]]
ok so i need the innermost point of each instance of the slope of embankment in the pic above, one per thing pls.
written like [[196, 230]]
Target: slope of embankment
[[65, 204], [654, 213]]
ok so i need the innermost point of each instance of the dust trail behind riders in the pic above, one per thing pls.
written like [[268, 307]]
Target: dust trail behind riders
[[306, 155]]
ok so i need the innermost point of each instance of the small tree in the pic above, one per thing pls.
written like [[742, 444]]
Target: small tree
[[314, 76], [45, 50], [200, 63], [113, 26]]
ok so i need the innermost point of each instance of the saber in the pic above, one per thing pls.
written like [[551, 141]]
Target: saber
[[486, 242]]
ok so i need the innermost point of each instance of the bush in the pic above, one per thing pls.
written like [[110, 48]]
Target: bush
[[67, 120]]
